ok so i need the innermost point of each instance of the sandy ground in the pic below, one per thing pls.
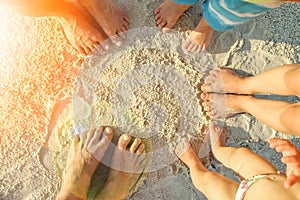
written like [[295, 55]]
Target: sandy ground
[[39, 68]]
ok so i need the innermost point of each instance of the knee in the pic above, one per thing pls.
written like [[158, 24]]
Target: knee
[[242, 151], [292, 80], [289, 119]]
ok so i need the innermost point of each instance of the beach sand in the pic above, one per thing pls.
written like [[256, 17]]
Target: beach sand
[[39, 70]]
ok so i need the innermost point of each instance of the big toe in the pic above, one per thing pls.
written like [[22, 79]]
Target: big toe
[[124, 140]]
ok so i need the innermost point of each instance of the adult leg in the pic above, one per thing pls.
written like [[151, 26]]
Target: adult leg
[[81, 163], [110, 17], [79, 27], [126, 158], [276, 114], [212, 184], [283, 80]]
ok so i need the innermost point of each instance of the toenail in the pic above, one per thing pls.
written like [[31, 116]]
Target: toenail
[[119, 43], [106, 46], [125, 137], [108, 130]]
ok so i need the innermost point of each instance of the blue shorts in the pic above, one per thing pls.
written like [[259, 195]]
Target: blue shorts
[[224, 15]]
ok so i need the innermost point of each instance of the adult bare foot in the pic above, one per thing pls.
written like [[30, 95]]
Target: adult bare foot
[[126, 158], [168, 13], [81, 163], [223, 80], [81, 30], [111, 18], [218, 106], [199, 38]]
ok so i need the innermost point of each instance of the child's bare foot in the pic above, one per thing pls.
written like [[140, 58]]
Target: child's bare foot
[[186, 154], [81, 31], [81, 163], [219, 106], [224, 80], [110, 17], [125, 158], [199, 38], [217, 135], [168, 13]]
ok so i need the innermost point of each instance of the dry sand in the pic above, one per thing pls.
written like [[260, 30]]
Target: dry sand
[[39, 68]]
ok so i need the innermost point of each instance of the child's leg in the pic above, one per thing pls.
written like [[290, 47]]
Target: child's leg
[[283, 80], [199, 38], [206, 181], [241, 160], [281, 116], [168, 13]]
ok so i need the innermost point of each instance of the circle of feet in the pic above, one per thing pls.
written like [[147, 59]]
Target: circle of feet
[[148, 89]]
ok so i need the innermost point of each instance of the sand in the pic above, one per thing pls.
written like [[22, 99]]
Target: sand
[[39, 69]]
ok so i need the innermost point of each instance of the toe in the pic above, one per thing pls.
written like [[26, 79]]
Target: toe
[[141, 148], [159, 21], [135, 145], [195, 47], [191, 46], [116, 40], [124, 141], [204, 88], [204, 96], [162, 24], [157, 11], [108, 132], [106, 44], [125, 24], [121, 34], [186, 44], [76, 139]]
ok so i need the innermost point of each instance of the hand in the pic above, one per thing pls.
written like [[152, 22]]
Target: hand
[[290, 157]]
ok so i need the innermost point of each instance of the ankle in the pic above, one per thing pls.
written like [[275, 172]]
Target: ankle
[[238, 102], [245, 85]]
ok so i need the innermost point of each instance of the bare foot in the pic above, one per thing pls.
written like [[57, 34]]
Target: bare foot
[[217, 135], [81, 30], [120, 182], [199, 38], [219, 106], [224, 80], [110, 17], [81, 164], [168, 13]]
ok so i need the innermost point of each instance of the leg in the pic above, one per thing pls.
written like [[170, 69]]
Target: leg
[[204, 180], [283, 80], [81, 164], [79, 27], [120, 182], [199, 38], [241, 160], [110, 17], [168, 13], [276, 114]]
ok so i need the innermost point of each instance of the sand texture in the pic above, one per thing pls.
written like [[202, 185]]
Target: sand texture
[[130, 88]]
